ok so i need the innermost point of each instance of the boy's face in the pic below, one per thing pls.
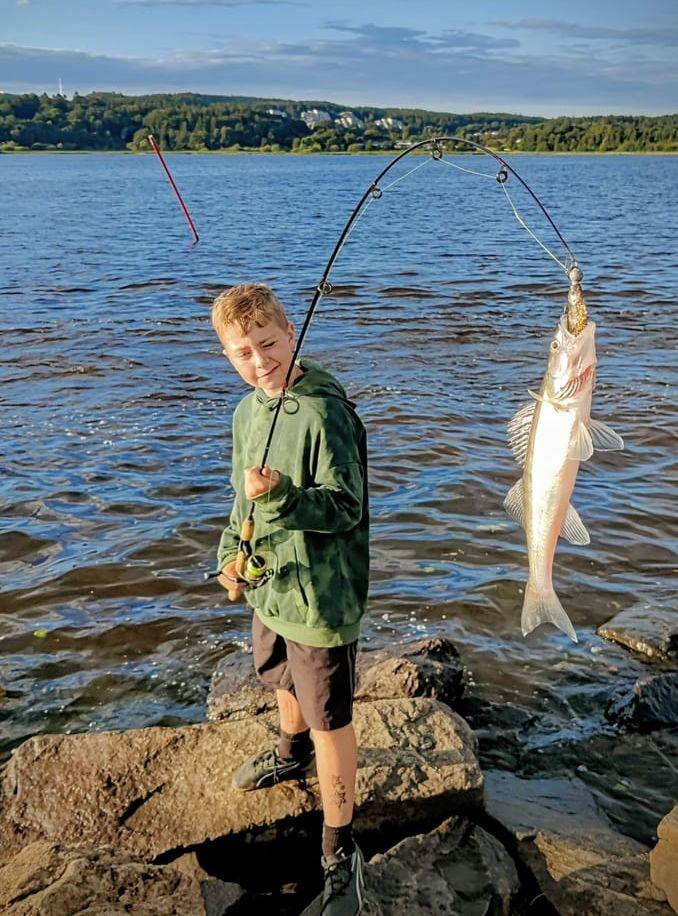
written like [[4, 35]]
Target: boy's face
[[262, 356]]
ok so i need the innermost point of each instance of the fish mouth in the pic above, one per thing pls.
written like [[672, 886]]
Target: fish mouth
[[575, 385]]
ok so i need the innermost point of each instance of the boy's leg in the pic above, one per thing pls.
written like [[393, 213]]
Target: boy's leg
[[293, 758], [295, 736], [324, 683], [324, 680], [336, 761]]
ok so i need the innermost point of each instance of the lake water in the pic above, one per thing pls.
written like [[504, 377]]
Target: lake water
[[116, 430]]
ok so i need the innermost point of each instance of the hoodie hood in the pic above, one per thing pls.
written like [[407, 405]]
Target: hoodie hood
[[314, 383]]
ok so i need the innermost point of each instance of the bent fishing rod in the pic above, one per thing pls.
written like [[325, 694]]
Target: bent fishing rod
[[251, 569]]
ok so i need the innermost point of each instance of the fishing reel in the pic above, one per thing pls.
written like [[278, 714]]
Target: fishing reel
[[251, 569], [254, 571]]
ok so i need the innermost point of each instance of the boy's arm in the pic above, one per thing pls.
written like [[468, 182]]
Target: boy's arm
[[335, 503]]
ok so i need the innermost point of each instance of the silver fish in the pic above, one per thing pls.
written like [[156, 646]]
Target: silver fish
[[549, 438]]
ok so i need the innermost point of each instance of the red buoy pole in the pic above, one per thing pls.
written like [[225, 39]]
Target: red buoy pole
[[156, 150]]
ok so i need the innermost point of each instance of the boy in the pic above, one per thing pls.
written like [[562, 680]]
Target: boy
[[311, 524]]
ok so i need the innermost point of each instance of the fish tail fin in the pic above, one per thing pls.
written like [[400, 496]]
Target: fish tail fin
[[542, 605]]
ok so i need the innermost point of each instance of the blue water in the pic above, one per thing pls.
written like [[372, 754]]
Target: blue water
[[116, 429]]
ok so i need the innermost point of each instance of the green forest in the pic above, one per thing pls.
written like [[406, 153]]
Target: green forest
[[193, 122]]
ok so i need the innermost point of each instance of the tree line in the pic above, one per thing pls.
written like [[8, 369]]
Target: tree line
[[190, 121]]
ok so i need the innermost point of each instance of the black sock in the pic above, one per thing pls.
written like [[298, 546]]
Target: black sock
[[295, 747], [336, 838]]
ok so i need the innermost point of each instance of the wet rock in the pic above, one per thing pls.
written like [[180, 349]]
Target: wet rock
[[644, 628], [580, 862], [153, 790], [456, 869], [664, 858], [652, 702], [425, 668], [52, 879], [235, 690]]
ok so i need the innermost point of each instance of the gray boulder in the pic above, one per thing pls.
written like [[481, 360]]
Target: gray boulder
[[458, 869], [579, 861], [652, 702], [153, 790], [651, 630], [52, 879], [664, 858], [425, 668]]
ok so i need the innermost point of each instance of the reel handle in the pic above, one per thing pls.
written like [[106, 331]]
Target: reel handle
[[245, 550]]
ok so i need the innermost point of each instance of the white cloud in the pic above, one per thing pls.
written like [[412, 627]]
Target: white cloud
[[451, 70]]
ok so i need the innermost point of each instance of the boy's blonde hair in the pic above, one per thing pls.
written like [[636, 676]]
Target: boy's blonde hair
[[247, 304]]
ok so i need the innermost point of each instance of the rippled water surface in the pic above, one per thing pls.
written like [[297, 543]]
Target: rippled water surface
[[116, 430]]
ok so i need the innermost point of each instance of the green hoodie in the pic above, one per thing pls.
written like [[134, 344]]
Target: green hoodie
[[313, 526]]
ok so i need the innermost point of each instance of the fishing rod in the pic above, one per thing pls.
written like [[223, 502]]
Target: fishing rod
[[251, 568], [156, 150]]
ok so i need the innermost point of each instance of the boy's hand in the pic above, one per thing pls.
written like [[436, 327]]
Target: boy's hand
[[259, 481], [234, 589]]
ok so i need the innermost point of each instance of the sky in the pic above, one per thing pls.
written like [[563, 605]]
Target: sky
[[524, 56]]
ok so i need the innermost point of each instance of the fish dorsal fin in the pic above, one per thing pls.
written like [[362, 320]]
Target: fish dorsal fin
[[514, 502], [519, 427], [581, 446], [604, 439], [573, 528]]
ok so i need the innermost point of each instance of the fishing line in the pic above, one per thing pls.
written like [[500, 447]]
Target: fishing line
[[460, 168], [410, 172], [565, 267]]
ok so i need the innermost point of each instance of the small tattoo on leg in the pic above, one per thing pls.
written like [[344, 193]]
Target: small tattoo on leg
[[339, 791]]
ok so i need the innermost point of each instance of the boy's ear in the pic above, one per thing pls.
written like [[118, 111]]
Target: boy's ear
[[290, 332]]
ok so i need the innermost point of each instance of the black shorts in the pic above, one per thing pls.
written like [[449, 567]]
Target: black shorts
[[322, 680]]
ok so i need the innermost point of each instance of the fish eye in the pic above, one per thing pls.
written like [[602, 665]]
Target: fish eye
[[555, 346]]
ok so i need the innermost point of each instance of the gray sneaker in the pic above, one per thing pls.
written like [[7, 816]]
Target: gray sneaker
[[344, 884], [269, 768]]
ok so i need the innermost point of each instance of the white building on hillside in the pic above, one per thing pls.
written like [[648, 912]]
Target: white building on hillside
[[313, 117], [348, 119], [389, 124], [278, 112]]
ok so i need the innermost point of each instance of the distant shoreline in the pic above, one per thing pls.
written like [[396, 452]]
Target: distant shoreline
[[375, 152]]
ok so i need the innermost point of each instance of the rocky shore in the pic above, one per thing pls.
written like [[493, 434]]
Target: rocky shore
[[146, 821]]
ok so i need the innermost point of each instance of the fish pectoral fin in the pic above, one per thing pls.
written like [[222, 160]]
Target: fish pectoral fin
[[515, 503], [519, 427], [603, 437], [536, 396], [581, 446], [573, 529], [542, 606]]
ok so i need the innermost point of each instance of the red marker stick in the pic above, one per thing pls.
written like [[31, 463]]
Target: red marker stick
[[156, 150]]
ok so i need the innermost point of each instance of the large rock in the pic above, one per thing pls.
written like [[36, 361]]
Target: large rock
[[425, 668], [51, 879], [456, 870], [652, 702], [645, 628], [156, 789], [235, 690], [664, 858], [581, 864]]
